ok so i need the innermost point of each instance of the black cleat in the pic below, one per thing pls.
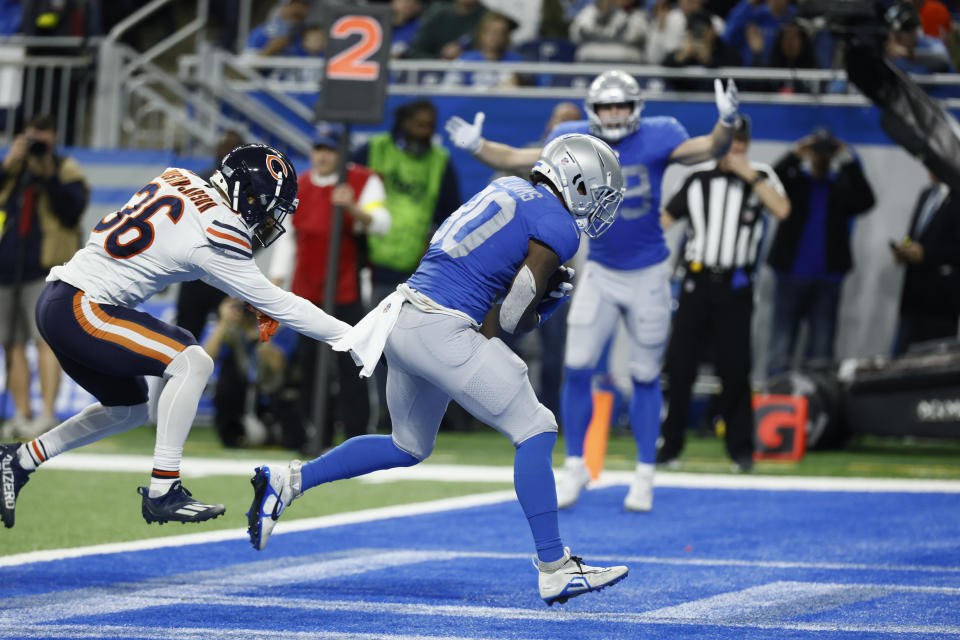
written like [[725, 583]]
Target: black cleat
[[176, 505], [13, 478]]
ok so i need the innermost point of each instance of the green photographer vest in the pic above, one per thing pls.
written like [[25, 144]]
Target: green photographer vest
[[412, 184]]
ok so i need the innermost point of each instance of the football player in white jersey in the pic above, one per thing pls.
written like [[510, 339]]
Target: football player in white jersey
[[626, 274], [177, 228]]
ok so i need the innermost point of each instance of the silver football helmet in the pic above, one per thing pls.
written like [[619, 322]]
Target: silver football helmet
[[614, 87], [586, 173]]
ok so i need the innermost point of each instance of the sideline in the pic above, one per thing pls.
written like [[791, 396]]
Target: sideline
[[196, 467]]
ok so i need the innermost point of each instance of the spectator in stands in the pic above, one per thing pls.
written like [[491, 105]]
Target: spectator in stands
[[930, 299], [668, 29], [300, 261], [492, 42], [446, 29], [752, 26], [610, 31], [42, 197], [810, 253], [792, 49], [196, 300], [406, 22], [909, 48], [282, 35], [256, 399], [703, 47], [934, 18]]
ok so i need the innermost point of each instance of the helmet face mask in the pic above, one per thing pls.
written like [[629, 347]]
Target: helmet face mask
[[261, 186], [614, 88], [586, 173]]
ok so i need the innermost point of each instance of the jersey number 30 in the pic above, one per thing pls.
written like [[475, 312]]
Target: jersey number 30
[[130, 229], [479, 218]]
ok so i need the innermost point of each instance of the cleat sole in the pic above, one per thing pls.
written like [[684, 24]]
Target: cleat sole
[[259, 482], [563, 599]]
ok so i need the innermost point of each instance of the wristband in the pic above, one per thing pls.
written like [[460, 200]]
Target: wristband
[[758, 179]]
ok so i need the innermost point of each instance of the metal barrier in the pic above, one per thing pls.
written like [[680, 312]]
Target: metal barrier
[[46, 75]]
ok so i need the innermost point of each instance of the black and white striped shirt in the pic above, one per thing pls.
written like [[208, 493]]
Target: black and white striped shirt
[[726, 218]]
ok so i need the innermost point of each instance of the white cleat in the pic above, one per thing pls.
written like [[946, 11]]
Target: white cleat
[[640, 496], [273, 491], [571, 480], [573, 578]]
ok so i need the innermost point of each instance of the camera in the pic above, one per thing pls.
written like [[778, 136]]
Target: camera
[[38, 148]]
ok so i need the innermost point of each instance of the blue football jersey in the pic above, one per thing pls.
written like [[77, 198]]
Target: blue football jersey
[[476, 252], [636, 240]]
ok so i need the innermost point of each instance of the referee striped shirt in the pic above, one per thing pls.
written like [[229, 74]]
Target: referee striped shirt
[[726, 217]]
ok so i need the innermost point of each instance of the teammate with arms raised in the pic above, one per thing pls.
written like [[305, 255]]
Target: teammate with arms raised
[[176, 228], [626, 274], [508, 242]]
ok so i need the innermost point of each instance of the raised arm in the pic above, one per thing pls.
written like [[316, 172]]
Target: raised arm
[[714, 144], [465, 135]]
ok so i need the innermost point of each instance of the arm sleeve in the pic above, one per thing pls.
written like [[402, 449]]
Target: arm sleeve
[[677, 206], [242, 279], [283, 258], [856, 190], [68, 193], [372, 200], [558, 231]]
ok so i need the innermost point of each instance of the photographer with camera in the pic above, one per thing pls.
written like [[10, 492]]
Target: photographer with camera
[[811, 249], [42, 196]]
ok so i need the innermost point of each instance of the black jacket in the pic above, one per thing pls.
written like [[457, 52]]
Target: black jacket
[[932, 287], [850, 195]]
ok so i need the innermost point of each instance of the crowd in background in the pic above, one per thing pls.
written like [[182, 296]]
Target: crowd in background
[[684, 33]]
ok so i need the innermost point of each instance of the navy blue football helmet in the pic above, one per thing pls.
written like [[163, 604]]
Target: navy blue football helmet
[[261, 185]]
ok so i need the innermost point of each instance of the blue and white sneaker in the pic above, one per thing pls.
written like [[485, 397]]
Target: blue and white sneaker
[[573, 578], [273, 491], [176, 505], [12, 479]]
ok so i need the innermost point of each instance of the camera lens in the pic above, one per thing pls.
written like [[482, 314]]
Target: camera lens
[[38, 148]]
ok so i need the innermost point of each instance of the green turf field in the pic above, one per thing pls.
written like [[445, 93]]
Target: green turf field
[[61, 508]]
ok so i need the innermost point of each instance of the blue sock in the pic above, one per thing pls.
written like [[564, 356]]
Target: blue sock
[[355, 457], [537, 493], [645, 418], [576, 408]]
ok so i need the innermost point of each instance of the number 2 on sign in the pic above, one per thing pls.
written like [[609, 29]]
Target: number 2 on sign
[[352, 63]]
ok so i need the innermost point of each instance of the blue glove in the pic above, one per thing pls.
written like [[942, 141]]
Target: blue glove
[[558, 292]]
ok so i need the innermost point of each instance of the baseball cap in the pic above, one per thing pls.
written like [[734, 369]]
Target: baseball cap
[[329, 138]]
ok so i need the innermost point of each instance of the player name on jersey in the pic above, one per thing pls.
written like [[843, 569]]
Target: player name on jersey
[[200, 198]]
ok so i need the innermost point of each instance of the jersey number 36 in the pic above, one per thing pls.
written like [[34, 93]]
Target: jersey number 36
[[130, 229]]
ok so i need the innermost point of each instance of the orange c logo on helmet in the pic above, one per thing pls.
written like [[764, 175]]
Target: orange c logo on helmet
[[283, 167]]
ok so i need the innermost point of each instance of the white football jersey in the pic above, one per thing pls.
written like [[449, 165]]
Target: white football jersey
[[180, 228]]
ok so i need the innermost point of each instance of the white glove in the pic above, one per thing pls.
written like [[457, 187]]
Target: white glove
[[465, 135], [728, 103]]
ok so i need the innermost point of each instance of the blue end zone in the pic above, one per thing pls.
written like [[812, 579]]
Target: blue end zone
[[720, 564]]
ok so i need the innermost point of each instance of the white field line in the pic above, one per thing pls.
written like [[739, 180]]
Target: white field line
[[115, 632], [195, 467], [304, 524]]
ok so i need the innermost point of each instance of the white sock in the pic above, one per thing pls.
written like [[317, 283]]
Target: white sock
[[93, 423], [186, 377]]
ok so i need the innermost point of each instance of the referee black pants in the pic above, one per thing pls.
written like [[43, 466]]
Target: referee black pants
[[711, 311]]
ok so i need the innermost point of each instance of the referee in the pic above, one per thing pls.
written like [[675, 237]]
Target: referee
[[725, 207]]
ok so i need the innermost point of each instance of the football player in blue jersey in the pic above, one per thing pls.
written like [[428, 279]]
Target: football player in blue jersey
[[497, 260], [626, 274]]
